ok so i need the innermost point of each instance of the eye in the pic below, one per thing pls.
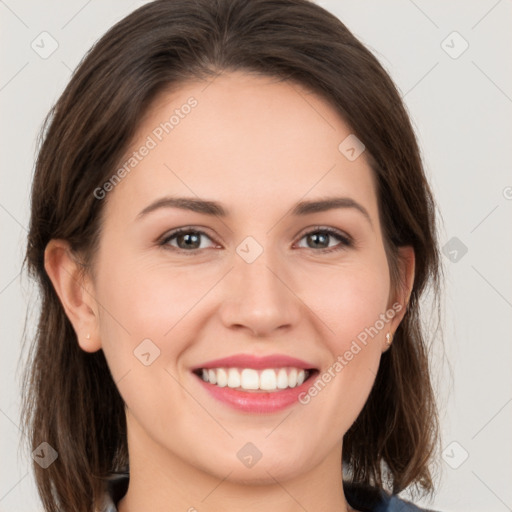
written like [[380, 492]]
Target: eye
[[320, 238], [186, 239]]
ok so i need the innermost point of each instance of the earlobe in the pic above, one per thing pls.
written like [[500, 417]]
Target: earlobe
[[75, 293]]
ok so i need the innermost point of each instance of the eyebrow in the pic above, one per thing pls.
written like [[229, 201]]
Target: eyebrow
[[216, 209]]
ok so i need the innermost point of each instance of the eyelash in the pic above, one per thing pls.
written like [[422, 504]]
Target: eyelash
[[345, 240]]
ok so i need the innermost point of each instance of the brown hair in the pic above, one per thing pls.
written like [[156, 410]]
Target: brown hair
[[70, 399]]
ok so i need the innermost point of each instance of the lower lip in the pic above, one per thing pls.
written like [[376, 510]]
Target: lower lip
[[257, 401]]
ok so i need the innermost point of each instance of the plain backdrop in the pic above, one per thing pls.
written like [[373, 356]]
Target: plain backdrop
[[451, 62]]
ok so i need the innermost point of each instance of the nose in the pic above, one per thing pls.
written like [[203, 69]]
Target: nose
[[258, 297]]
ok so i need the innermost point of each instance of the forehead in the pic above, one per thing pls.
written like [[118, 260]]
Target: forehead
[[246, 140]]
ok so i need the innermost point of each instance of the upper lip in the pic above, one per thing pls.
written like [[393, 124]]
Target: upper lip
[[251, 361]]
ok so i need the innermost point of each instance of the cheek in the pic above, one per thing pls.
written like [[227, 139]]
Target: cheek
[[141, 302], [142, 324], [360, 301], [147, 300], [348, 299], [349, 302]]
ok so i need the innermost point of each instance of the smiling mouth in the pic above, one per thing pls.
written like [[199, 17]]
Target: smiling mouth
[[252, 380]]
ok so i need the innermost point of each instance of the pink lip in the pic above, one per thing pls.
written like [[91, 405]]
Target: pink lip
[[257, 401], [250, 361]]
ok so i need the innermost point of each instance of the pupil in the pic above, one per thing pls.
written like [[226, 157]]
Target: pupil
[[321, 238], [191, 240]]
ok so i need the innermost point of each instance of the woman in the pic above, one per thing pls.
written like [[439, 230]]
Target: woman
[[232, 229]]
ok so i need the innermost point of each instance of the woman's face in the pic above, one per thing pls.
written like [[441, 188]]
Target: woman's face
[[261, 279]]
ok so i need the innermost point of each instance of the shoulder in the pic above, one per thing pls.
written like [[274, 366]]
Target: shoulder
[[371, 499]]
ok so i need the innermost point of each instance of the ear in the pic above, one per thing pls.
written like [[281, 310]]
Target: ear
[[399, 298], [75, 292]]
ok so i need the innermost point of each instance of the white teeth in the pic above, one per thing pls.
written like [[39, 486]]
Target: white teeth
[[282, 379], [249, 379], [233, 378], [222, 377], [292, 378], [268, 380]]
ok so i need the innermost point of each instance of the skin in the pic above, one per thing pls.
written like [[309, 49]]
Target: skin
[[257, 146]]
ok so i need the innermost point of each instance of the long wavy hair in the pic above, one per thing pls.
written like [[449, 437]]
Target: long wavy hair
[[69, 398]]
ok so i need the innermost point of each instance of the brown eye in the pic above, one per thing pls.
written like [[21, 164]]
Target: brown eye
[[322, 238], [190, 240], [185, 240]]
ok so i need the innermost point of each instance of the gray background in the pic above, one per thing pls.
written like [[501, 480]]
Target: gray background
[[461, 106]]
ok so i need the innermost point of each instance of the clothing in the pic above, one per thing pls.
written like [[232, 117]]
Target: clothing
[[362, 498]]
